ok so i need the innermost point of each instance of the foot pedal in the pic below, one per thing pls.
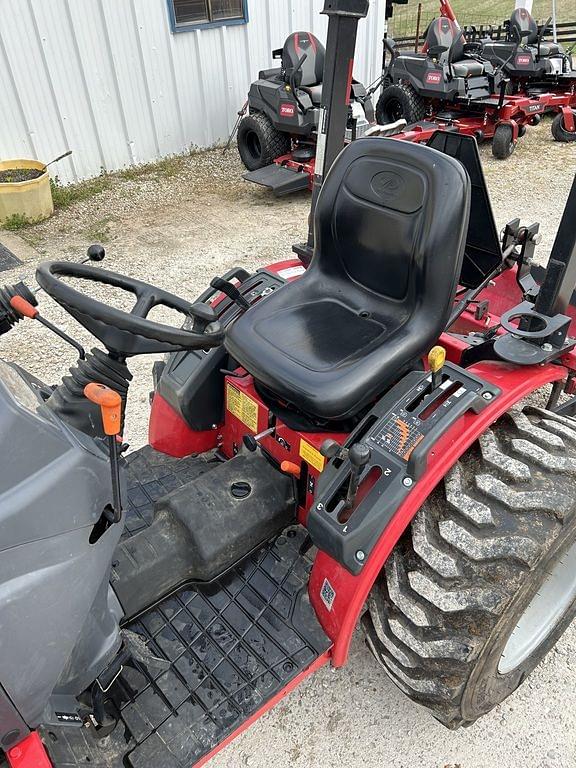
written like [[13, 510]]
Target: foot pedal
[[281, 180]]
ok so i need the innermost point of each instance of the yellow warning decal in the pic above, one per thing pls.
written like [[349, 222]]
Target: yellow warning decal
[[243, 407], [311, 455]]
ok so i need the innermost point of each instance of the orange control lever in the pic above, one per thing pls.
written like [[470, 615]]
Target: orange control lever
[[110, 404], [23, 307], [289, 468]]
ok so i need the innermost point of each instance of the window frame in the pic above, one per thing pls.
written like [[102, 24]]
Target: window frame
[[176, 28]]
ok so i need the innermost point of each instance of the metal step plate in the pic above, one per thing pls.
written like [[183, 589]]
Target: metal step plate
[[282, 181]]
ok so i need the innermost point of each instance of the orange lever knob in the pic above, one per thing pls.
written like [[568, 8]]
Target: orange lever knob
[[110, 404], [289, 468], [23, 307]]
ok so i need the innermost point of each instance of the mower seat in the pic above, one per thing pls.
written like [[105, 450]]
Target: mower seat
[[445, 33], [522, 21], [390, 225], [315, 93], [312, 69]]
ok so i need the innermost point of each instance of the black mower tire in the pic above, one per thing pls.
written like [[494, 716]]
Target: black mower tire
[[259, 143], [478, 554], [559, 132], [400, 101], [503, 144]]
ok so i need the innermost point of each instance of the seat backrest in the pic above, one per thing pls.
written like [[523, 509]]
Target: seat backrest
[[298, 44], [523, 22], [392, 217], [445, 33]]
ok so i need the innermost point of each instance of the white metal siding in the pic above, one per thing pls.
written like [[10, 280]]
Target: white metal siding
[[109, 80]]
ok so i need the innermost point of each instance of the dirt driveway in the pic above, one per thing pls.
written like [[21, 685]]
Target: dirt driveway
[[180, 225]]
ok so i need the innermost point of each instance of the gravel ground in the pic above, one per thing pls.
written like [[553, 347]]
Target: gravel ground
[[178, 228]]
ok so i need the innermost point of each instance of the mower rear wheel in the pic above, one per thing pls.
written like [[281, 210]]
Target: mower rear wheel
[[503, 144], [484, 583], [398, 102], [259, 143], [559, 130]]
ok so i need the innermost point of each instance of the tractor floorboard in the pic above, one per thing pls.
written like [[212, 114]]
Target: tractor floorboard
[[230, 647], [151, 475]]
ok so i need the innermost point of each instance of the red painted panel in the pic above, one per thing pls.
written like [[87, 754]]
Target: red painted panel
[[169, 433], [29, 753]]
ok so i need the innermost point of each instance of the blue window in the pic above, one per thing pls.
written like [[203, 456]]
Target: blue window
[[190, 14]]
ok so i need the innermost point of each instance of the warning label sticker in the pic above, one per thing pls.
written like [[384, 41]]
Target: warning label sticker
[[311, 455], [243, 407]]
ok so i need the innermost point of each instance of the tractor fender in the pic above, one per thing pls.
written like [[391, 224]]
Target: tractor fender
[[347, 593]]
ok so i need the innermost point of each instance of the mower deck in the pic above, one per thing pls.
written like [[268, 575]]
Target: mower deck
[[229, 648]]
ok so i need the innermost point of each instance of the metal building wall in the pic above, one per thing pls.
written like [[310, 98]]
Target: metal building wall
[[109, 80]]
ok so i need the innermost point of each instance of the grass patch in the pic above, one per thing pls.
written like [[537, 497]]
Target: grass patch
[[403, 22], [166, 168], [64, 196], [17, 221], [99, 231]]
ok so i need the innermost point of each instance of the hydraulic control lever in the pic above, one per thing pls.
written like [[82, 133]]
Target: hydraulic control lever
[[110, 404], [26, 309], [359, 455]]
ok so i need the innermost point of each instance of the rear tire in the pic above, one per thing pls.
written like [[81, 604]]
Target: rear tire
[[259, 143], [559, 131], [503, 144], [400, 101], [455, 617]]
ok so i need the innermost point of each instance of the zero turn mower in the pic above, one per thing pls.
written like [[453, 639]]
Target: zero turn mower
[[534, 67], [348, 442]]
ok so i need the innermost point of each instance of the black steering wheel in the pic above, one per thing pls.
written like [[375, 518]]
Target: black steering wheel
[[125, 334]]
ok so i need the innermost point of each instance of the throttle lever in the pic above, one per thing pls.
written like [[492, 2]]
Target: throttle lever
[[228, 288]]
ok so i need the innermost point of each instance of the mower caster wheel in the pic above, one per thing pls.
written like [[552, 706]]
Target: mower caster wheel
[[559, 131], [399, 102], [259, 143], [536, 120], [484, 583], [503, 144]]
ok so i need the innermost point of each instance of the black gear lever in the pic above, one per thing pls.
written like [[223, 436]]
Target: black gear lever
[[359, 455]]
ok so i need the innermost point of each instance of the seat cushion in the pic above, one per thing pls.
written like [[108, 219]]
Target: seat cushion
[[311, 350], [315, 93], [549, 49], [468, 68]]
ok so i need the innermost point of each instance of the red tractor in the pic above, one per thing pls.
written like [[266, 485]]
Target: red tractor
[[350, 439]]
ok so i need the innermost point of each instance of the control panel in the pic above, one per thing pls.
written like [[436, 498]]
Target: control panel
[[368, 478]]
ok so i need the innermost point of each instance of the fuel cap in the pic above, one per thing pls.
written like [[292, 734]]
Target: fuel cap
[[240, 489]]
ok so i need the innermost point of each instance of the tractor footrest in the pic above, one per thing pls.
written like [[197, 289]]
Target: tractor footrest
[[231, 648], [281, 180]]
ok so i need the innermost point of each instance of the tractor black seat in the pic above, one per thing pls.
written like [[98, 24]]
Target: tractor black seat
[[391, 224], [295, 47]]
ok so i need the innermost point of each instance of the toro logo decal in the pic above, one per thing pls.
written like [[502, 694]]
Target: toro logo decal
[[287, 110], [434, 78], [523, 60]]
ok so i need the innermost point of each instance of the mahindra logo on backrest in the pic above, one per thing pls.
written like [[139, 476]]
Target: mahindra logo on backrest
[[434, 78], [523, 60], [287, 110]]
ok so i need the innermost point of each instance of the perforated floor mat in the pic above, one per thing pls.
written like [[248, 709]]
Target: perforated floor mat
[[231, 647]]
